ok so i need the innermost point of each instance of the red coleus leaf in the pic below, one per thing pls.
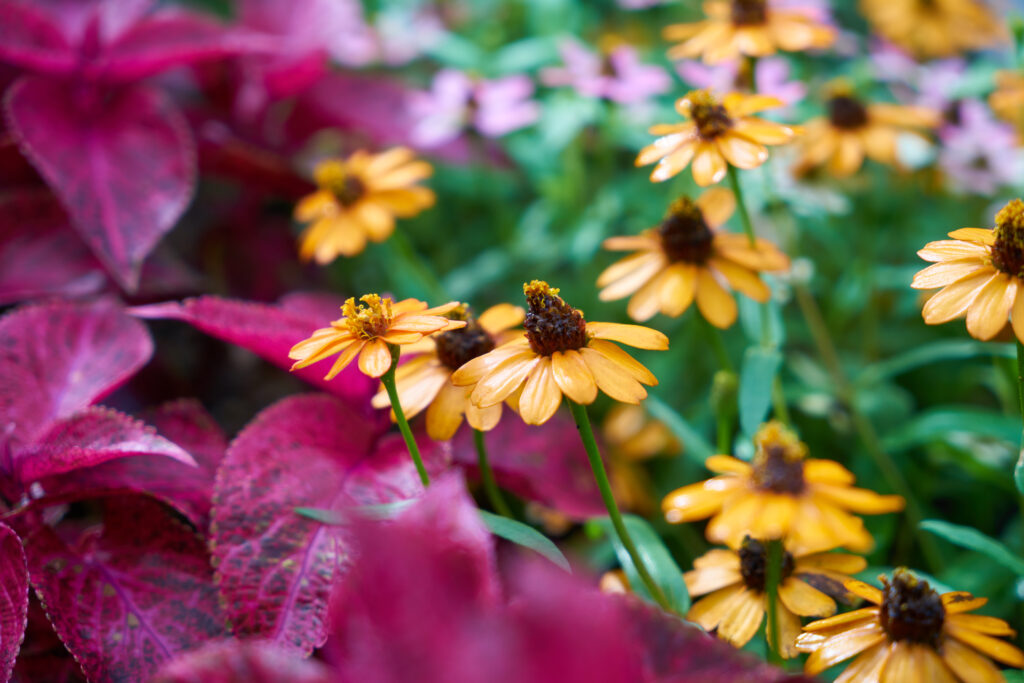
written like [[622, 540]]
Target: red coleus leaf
[[13, 599], [127, 596], [234, 661], [132, 172], [276, 568], [42, 656], [57, 358], [29, 38]]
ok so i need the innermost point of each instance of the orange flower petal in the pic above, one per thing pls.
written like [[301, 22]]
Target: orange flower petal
[[541, 395], [344, 359], [418, 391], [612, 378], [961, 601], [695, 501], [862, 501], [741, 152], [764, 132], [989, 312], [848, 620], [951, 250], [836, 562], [980, 235], [842, 646], [742, 279], [718, 558], [789, 629], [573, 376], [504, 379], [982, 624], [618, 356], [826, 472], [476, 369], [1000, 650], [317, 205], [375, 358], [709, 611], [727, 464], [501, 317], [715, 304], [864, 590], [702, 581], [951, 301], [643, 267], [968, 664], [867, 668], [484, 419], [716, 205], [643, 241], [675, 161], [735, 521], [678, 288], [805, 600], [637, 336], [743, 619], [1017, 314], [708, 165], [740, 104], [848, 155], [943, 273]]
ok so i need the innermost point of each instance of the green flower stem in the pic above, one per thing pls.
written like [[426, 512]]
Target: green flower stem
[[715, 337], [773, 576], [487, 476], [724, 406], [741, 206], [579, 413], [1020, 396], [388, 380]]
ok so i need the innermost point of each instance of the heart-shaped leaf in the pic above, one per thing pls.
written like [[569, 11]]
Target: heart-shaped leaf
[[234, 661], [13, 599]]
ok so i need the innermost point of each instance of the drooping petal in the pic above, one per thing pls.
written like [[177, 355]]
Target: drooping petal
[[742, 279], [740, 624], [444, 414], [541, 395], [573, 376], [504, 379], [716, 205], [375, 358], [995, 648], [709, 166], [678, 288], [501, 317], [953, 300], [989, 312], [612, 378], [804, 600], [842, 646], [968, 664], [715, 303], [741, 152]]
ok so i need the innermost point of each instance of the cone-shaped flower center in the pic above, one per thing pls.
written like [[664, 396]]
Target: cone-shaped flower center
[[370, 318], [346, 187], [911, 610], [685, 236], [1008, 250], [708, 113], [749, 12], [458, 347], [551, 324], [754, 564], [847, 112], [778, 465]]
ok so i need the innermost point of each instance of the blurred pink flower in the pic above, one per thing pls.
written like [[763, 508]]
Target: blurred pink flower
[[978, 152], [640, 4], [619, 77], [932, 84], [771, 77]]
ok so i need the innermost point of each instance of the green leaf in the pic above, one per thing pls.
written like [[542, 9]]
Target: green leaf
[[972, 539], [695, 446], [937, 423], [757, 374], [328, 517], [340, 517], [526, 536], [958, 349], [664, 570], [1018, 473], [757, 318], [1014, 676]]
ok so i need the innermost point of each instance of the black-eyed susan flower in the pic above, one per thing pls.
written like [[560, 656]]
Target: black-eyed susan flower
[[854, 129], [980, 273], [688, 258], [425, 382], [911, 634], [780, 494], [358, 199], [560, 353], [734, 583], [755, 28], [369, 329], [934, 28], [719, 132], [1008, 99]]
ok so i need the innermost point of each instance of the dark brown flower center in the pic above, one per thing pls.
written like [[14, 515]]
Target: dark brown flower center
[[778, 464], [685, 235], [551, 324], [847, 112], [911, 610], [1008, 250], [458, 347], [754, 563], [348, 189], [708, 113], [749, 12]]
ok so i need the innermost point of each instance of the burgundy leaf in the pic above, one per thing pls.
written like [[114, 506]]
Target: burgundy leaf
[[57, 358], [234, 661], [29, 38], [91, 437], [43, 656], [132, 172], [128, 596], [546, 464], [269, 331], [13, 599], [276, 568]]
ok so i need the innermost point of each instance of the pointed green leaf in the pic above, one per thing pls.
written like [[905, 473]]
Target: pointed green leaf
[[526, 536], [972, 539]]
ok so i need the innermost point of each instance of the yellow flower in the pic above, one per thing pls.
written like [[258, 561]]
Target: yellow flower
[[634, 435], [737, 602], [368, 330], [853, 130], [746, 27], [911, 634], [1008, 99], [980, 274], [780, 494], [560, 353], [425, 382], [358, 200], [687, 258], [934, 28], [719, 132]]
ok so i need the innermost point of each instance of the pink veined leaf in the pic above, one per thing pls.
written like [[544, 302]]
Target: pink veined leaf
[[133, 170], [269, 331], [105, 18], [28, 38], [91, 437], [127, 596], [13, 599], [43, 656], [275, 568], [545, 464], [57, 358], [234, 661]]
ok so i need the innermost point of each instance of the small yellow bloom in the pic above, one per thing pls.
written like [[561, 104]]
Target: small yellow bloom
[[560, 353], [368, 330], [718, 133], [853, 130], [735, 580], [1008, 99], [935, 28], [980, 274], [780, 494], [686, 258], [425, 382], [755, 28], [358, 199], [911, 633]]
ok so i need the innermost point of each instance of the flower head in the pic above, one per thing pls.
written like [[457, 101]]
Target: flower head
[[978, 154], [737, 601], [910, 633], [718, 132], [934, 28], [686, 258], [756, 28], [560, 353], [358, 199], [980, 274], [425, 382], [780, 494], [368, 329]]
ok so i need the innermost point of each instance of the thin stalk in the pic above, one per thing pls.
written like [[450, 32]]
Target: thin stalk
[[715, 337], [487, 476], [579, 413], [779, 406], [773, 576], [388, 380], [1020, 396], [741, 206]]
